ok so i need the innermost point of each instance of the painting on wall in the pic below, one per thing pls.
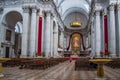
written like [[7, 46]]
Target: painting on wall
[[76, 42], [8, 35]]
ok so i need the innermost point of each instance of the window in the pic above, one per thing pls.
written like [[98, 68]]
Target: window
[[8, 35]]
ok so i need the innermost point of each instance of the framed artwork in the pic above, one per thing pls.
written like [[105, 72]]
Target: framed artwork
[[8, 35], [75, 42]]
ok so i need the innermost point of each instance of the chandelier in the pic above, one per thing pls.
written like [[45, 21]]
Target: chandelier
[[76, 23]]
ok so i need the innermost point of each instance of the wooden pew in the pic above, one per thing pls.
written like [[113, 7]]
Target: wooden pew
[[115, 63]]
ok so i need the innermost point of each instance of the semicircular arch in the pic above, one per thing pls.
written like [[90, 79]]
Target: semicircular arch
[[75, 9]]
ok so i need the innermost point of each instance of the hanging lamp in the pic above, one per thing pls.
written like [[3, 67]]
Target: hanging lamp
[[76, 23]]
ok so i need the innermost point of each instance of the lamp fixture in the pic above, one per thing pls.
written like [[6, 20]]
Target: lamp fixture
[[76, 23]]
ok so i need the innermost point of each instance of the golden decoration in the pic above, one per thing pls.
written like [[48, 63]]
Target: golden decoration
[[76, 24]]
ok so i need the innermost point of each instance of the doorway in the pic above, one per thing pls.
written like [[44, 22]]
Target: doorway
[[7, 52]]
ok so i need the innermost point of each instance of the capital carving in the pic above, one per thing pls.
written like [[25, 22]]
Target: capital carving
[[97, 13], [118, 6], [26, 9], [111, 7], [41, 12], [48, 12], [34, 8]]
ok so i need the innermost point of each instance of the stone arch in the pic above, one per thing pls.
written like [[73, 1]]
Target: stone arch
[[5, 13], [12, 40], [75, 9]]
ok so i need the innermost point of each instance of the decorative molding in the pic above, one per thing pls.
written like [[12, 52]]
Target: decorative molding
[[118, 7], [47, 12], [41, 12], [11, 2], [34, 8], [16, 2], [111, 7], [97, 13], [26, 8]]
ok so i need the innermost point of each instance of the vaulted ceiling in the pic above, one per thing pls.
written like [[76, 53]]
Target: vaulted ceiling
[[69, 9]]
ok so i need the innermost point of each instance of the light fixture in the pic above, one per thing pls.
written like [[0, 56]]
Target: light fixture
[[76, 23]]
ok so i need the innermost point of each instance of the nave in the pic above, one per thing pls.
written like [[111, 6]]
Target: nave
[[62, 71]]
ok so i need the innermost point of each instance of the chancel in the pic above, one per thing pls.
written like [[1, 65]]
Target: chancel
[[59, 39]]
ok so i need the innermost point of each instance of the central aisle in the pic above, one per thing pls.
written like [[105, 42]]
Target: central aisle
[[62, 71]]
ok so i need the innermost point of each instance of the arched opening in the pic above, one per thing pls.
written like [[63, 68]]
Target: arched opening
[[12, 26]]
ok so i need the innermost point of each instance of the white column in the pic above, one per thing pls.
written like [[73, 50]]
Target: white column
[[112, 36], [102, 32], [33, 31], [43, 33], [43, 29], [56, 40], [89, 37], [97, 33], [48, 36], [93, 37], [118, 25], [26, 18], [86, 41], [65, 43], [61, 39], [51, 35]]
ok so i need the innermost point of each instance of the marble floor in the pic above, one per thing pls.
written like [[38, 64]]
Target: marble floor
[[62, 71]]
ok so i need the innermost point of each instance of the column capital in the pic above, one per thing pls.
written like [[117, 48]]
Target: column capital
[[41, 12], [118, 7], [34, 8], [111, 7], [47, 11], [97, 13], [26, 8]]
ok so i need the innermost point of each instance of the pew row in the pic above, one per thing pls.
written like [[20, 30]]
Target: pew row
[[33, 63]]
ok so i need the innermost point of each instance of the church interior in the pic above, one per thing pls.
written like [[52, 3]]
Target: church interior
[[59, 39]]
